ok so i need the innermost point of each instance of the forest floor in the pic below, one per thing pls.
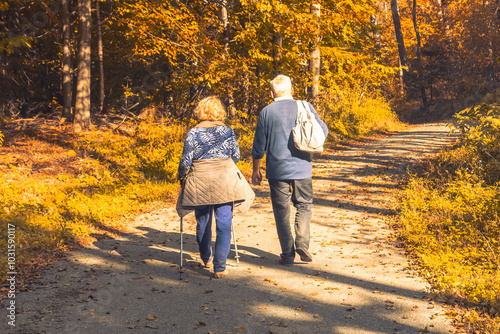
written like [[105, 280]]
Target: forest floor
[[360, 281]]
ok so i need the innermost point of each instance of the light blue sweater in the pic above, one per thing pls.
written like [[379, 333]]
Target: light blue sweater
[[273, 136]]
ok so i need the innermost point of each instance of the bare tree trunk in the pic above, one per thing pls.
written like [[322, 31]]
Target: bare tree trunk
[[420, 73], [443, 17], [277, 44], [100, 54], [315, 55], [81, 118], [67, 82], [492, 27], [403, 58], [246, 92], [226, 26], [376, 32]]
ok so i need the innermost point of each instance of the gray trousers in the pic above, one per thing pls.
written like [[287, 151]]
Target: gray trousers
[[301, 194]]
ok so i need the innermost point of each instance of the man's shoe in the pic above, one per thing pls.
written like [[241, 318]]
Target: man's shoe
[[304, 255], [283, 263]]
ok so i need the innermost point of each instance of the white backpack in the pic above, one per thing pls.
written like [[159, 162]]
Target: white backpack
[[308, 135]]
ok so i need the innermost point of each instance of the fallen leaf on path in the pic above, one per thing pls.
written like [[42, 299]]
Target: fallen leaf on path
[[269, 280], [282, 324]]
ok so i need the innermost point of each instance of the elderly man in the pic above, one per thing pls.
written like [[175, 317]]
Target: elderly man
[[288, 170]]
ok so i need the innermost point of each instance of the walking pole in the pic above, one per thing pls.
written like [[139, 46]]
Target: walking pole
[[237, 257], [180, 270]]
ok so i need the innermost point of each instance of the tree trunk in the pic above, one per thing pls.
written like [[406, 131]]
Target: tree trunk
[[277, 44], [443, 17], [492, 27], [81, 118], [420, 74], [100, 54], [246, 92], [376, 31], [226, 27], [67, 90], [315, 55], [403, 58]]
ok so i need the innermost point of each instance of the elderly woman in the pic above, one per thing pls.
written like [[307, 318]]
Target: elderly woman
[[211, 181]]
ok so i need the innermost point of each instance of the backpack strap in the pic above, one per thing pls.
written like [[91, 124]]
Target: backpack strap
[[306, 105]]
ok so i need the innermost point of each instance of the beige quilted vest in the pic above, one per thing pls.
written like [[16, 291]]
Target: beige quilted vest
[[214, 181]]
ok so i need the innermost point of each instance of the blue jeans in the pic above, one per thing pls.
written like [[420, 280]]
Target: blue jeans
[[223, 219], [301, 194]]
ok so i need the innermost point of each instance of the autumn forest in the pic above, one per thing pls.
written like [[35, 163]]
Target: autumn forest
[[427, 59]]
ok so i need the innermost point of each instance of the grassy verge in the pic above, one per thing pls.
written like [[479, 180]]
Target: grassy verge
[[450, 219]]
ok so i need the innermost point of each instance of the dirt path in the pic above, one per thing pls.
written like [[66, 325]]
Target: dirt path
[[358, 282]]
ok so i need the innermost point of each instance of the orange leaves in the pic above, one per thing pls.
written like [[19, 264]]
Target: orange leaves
[[167, 30], [270, 281]]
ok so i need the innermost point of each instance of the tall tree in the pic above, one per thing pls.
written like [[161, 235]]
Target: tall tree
[[67, 82], [81, 119], [226, 33], [492, 11], [420, 74], [403, 58], [100, 55], [277, 45], [443, 19], [315, 53]]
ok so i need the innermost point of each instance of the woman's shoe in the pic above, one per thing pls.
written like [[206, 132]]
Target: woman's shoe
[[221, 274], [208, 264]]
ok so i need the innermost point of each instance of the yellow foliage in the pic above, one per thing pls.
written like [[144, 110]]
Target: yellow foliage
[[351, 113], [450, 219]]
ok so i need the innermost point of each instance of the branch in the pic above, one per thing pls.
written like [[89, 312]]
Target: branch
[[156, 37]]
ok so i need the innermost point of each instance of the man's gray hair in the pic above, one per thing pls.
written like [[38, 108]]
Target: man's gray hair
[[281, 85]]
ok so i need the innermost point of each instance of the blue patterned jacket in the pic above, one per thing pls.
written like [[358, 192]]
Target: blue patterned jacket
[[208, 143]]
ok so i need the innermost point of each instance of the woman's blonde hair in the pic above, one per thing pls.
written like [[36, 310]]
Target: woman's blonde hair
[[210, 109]]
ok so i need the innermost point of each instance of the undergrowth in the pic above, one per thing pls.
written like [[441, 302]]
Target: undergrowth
[[354, 113], [450, 217]]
